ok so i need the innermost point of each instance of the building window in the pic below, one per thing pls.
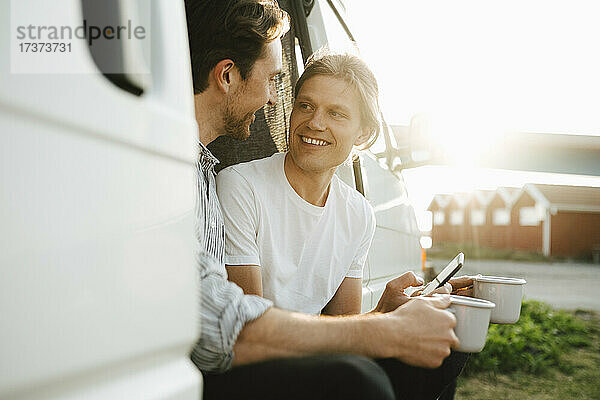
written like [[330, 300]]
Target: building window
[[501, 216], [438, 218], [528, 216], [477, 217], [457, 217]]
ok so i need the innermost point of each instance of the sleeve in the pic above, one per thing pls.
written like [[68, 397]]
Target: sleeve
[[356, 268], [239, 214], [224, 310]]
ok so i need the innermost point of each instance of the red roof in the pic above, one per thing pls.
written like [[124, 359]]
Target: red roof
[[558, 197]]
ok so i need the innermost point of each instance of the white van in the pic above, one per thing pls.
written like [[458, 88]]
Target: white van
[[98, 292]]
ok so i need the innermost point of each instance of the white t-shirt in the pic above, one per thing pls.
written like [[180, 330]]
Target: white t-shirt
[[304, 251]]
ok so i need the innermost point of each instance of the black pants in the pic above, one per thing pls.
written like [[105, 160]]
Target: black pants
[[330, 377]]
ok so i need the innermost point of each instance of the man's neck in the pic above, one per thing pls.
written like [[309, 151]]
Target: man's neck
[[208, 118], [313, 187]]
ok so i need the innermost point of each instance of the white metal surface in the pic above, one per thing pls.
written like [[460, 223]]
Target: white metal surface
[[98, 296]]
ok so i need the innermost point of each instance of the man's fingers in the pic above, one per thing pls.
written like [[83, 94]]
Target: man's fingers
[[469, 292], [454, 343], [410, 279], [461, 282], [441, 301], [446, 289], [464, 292], [405, 280]]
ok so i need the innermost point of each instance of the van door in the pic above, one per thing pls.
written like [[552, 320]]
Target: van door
[[98, 294]]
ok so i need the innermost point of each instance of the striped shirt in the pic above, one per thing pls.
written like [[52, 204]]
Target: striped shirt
[[210, 227], [224, 309]]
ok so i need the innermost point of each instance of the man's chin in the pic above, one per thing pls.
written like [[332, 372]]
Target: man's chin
[[245, 134], [241, 133], [237, 128]]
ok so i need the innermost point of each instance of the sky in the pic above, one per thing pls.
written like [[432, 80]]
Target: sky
[[482, 66]]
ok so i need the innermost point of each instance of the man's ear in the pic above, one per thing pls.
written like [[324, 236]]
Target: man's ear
[[363, 137], [223, 75]]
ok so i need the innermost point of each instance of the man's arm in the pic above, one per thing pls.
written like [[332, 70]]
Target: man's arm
[[248, 277], [420, 333], [242, 329], [347, 299], [224, 311]]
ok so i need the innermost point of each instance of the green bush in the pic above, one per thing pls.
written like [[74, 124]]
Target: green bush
[[535, 343]]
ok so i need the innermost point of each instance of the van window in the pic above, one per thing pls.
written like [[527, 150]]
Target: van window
[[337, 36], [299, 60], [124, 62]]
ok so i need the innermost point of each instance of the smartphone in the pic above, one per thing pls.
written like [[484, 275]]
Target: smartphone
[[444, 276]]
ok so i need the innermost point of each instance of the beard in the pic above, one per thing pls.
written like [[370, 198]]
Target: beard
[[235, 126]]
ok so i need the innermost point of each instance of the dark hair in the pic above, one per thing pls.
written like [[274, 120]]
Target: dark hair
[[355, 71], [230, 29]]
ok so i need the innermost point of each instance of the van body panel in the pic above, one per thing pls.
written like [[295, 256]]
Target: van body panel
[[99, 294], [102, 239]]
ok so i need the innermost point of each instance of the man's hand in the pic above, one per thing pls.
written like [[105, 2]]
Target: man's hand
[[420, 333], [462, 286], [446, 289], [393, 296]]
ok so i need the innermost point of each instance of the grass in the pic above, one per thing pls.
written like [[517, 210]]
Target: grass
[[548, 354]]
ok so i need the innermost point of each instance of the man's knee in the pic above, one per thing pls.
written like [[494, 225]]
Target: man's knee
[[356, 377]]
